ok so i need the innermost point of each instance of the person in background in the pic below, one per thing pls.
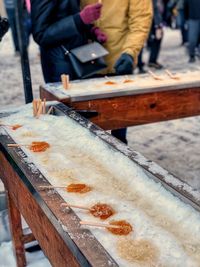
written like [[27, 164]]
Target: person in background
[[156, 36], [10, 10], [192, 13], [122, 27], [62, 23], [181, 21], [126, 24], [177, 6]]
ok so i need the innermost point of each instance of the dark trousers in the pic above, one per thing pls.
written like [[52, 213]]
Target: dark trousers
[[193, 35], [140, 62], [182, 26], [120, 134], [154, 50], [11, 18]]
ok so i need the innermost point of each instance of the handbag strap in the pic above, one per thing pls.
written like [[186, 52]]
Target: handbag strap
[[66, 52]]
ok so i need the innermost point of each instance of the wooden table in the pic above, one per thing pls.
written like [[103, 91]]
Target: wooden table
[[58, 232], [141, 104]]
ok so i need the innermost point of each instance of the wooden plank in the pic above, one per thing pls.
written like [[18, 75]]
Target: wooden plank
[[28, 238], [16, 231], [118, 112]]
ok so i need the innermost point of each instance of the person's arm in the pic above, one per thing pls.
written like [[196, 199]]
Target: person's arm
[[48, 31], [140, 19]]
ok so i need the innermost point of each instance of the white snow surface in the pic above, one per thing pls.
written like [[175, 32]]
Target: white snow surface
[[7, 258], [97, 86], [76, 155]]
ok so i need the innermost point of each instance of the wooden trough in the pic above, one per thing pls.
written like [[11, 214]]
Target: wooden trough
[[143, 101], [58, 233]]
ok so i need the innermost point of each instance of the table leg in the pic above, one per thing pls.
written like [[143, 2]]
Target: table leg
[[16, 232]]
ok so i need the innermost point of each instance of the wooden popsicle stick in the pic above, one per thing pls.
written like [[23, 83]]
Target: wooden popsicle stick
[[74, 206], [34, 107], [65, 81], [50, 109], [39, 109], [156, 77], [38, 101], [171, 75], [51, 186], [17, 145], [6, 125], [97, 224], [44, 106], [107, 78]]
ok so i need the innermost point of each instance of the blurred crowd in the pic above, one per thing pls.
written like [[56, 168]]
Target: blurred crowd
[[176, 14]]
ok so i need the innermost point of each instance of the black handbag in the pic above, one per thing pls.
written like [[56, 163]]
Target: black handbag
[[87, 59]]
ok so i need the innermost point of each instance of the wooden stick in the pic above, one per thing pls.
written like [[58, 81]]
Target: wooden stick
[[51, 186], [65, 81], [34, 107], [104, 225], [50, 109], [100, 1], [11, 126], [74, 206], [172, 76], [107, 78], [6, 125], [156, 77], [38, 101], [44, 106], [39, 109], [17, 145]]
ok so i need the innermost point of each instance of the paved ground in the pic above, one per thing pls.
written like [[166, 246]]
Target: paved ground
[[174, 145]]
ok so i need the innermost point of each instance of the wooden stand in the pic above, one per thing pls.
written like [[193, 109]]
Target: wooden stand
[[57, 232]]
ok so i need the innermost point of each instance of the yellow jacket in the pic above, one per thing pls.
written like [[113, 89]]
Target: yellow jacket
[[126, 23]]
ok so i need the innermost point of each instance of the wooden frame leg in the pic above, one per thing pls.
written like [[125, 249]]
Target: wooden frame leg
[[16, 232]]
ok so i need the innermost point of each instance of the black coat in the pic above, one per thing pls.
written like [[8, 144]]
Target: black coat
[[192, 9], [56, 23]]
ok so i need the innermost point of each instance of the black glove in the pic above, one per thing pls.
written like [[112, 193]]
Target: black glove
[[4, 26], [124, 65]]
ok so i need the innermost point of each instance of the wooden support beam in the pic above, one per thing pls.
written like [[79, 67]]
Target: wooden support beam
[[16, 232], [28, 238]]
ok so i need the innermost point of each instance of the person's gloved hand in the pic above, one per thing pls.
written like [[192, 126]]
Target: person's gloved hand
[[100, 36], [90, 13], [124, 64]]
